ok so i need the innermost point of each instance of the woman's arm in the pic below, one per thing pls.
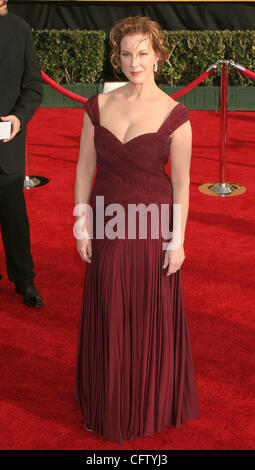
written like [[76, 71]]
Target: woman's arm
[[180, 153], [86, 165], [85, 171], [180, 156]]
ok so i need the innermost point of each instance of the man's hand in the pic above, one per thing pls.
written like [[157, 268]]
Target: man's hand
[[15, 125]]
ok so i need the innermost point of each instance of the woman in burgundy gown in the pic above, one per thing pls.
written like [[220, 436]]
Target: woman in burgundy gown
[[134, 371]]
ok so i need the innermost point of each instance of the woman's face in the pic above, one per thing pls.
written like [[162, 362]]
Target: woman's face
[[137, 57]]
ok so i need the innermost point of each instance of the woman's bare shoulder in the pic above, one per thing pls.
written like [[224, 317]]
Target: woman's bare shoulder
[[110, 96], [168, 101]]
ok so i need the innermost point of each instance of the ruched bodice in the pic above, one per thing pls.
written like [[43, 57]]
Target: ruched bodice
[[137, 166]]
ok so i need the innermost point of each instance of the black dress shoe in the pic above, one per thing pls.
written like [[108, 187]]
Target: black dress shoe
[[32, 298]]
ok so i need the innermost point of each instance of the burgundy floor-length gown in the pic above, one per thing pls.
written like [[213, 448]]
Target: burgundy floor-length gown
[[134, 369]]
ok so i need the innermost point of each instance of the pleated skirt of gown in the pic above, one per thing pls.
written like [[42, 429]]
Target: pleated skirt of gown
[[134, 370]]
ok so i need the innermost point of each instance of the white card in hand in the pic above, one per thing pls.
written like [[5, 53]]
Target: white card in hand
[[5, 130]]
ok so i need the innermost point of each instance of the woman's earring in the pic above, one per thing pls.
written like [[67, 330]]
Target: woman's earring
[[155, 68]]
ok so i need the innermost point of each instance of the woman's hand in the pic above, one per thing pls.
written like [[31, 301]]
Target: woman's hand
[[173, 260], [84, 247]]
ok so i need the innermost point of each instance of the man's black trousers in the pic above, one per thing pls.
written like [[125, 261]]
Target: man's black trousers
[[15, 228]]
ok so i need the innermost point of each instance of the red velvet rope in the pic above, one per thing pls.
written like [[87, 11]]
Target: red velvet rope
[[82, 99], [62, 90], [178, 93], [192, 84], [247, 72]]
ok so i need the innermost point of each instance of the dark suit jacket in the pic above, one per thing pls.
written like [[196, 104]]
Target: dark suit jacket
[[21, 89]]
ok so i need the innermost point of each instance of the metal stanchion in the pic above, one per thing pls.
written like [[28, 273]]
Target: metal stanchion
[[221, 188], [33, 181]]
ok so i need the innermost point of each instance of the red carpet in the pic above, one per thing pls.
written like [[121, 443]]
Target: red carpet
[[39, 346]]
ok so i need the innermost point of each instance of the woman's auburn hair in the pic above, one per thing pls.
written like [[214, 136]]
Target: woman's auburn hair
[[133, 25]]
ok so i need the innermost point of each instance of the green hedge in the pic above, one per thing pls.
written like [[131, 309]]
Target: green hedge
[[83, 56], [66, 56]]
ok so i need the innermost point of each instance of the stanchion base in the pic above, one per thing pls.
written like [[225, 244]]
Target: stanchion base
[[222, 189], [34, 181]]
